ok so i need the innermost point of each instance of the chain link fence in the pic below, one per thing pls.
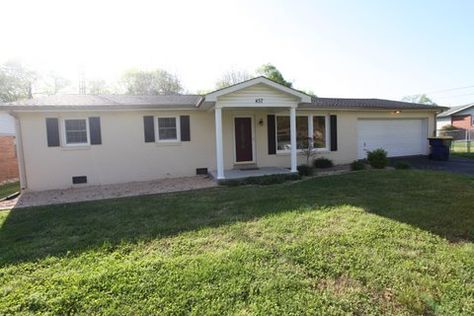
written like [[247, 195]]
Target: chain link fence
[[462, 139]]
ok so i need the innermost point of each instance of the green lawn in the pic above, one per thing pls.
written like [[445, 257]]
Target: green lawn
[[464, 155], [371, 242], [9, 188]]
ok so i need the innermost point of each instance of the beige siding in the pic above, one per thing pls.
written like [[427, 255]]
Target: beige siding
[[125, 157], [268, 95], [347, 134]]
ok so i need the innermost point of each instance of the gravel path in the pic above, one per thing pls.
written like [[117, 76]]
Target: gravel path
[[101, 192]]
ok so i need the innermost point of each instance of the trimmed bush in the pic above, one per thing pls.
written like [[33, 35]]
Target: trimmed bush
[[357, 165], [305, 170], [263, 180], [402, 165], [377, 158], [322, 163]]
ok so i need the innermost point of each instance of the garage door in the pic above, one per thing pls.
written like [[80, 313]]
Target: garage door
[[399, 137]]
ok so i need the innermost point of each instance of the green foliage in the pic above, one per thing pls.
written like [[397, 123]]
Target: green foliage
[[357, 165], [154, 82], [403, 165], [418, 98], [377, 158], [448, 127], [358, 243], [322, 163], [263, 180], [96, 87], [305, 170], [15, 82], [272, 73]]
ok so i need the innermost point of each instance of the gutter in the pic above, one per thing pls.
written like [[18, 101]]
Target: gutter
[[20, 152]]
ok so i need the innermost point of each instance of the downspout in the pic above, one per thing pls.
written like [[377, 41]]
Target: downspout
[[19, 152]]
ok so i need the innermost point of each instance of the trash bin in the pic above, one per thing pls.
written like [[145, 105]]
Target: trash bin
[[439, 147]]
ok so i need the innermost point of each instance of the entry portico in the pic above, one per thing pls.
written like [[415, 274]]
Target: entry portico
[[258, 94]]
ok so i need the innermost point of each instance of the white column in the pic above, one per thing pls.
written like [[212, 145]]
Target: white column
[[293, 138], [219, 144], [20, 153]]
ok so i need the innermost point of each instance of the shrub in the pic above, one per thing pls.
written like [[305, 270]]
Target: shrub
[[305, 170], [322, 163], [357, 165], [402, 165], [263, 180], [377, 158]]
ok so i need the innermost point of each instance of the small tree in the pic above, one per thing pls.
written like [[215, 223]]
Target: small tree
[[232, 77], [308, 150]]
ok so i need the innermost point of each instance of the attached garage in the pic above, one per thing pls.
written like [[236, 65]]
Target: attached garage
[[399, 137]]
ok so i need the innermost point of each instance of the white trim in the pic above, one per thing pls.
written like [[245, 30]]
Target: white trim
[[212, 97], [293, 140], [219, 144], [157, 129], [252, 121], [63, 132], [20, 154]]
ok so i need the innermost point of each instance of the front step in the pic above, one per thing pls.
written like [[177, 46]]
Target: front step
[[247, 166]]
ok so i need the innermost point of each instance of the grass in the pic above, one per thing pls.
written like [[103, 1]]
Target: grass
[[460, 149], [8, 189], [372, 242], [464, 155]]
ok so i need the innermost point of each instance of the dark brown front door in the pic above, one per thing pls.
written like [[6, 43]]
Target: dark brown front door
[[243, 139]]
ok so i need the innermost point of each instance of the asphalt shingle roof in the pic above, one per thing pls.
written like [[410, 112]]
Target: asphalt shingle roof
[[110, 100], [366, 103], [455, 109], [189, 101]]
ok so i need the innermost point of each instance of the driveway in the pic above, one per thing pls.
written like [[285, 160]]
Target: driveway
[[455, 164]]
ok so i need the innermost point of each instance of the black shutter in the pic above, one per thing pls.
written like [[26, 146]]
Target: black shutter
[[333, 134], [185, 128], [94, 129], [271, 134], [52, 132], [149, 126]]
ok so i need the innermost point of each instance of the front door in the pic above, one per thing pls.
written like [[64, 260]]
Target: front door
[[243, 139]]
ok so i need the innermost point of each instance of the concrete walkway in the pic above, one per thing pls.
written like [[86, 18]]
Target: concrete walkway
[[101, 192]]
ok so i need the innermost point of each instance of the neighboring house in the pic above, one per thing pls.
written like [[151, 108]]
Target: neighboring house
[[7, 124], [461, 117], [8, 159], [257, 123]]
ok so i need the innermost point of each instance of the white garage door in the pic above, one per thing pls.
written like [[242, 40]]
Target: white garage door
[[399, 137]]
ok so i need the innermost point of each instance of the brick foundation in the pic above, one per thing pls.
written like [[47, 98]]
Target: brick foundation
[[8, 159]]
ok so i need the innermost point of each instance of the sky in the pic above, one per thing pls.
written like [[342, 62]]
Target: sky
[[335, 48]]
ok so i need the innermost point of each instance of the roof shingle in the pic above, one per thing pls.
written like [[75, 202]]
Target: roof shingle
[[343, 103]]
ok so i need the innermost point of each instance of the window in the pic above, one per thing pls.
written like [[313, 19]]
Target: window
[[319, 131], [303, 132], [167, 129], [76, 132]]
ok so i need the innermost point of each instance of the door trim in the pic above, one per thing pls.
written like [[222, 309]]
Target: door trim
[[253, 139]]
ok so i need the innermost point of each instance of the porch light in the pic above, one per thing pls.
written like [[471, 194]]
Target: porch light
[[260, 122]]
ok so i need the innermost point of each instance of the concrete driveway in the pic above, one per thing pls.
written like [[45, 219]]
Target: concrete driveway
[[456, 165]]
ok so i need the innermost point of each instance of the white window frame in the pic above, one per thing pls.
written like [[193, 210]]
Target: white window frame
[[64, 138], [157, 129], [310, 132], [326, 127]]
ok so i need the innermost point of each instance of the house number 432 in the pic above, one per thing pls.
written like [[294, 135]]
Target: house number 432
[[259, 100]]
